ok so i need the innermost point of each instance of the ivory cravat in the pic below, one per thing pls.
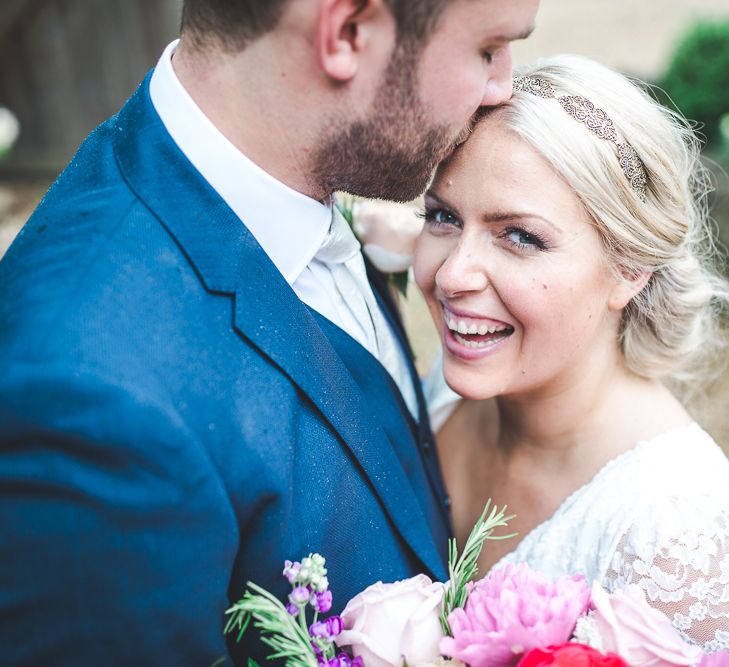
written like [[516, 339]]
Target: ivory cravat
[[341, 252]]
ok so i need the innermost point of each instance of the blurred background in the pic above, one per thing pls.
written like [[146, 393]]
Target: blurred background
[[66, 65]]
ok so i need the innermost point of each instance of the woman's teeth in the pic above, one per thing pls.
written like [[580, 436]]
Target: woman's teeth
[[477, 335], [462, 327]]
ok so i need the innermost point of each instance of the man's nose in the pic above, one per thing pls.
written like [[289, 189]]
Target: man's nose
[[499, 84]]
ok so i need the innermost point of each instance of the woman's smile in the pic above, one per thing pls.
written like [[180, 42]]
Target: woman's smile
[[471, 336]]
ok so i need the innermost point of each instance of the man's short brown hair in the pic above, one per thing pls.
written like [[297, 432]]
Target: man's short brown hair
[[234, 23]]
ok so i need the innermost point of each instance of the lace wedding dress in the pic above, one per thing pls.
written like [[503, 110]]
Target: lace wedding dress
[[656, 516]]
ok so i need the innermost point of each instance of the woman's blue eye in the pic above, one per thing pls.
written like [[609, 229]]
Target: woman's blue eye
[[439, 216], [524, 239], [443, 217]]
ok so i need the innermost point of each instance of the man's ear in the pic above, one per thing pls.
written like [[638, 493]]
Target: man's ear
[[627, 286], [346, 29]]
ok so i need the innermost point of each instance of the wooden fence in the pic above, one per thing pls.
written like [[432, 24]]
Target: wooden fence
[[66, 65]]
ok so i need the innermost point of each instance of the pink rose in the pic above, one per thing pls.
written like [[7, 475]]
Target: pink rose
[[638, 633], [720, 659], [387, 624], [511, 611]]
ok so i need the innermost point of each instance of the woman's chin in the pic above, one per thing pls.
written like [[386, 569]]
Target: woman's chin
[[471, 385]]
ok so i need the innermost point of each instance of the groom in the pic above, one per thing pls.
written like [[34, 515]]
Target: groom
[[198, 381]]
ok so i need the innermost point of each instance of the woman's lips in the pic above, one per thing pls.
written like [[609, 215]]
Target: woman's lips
[[471, 337]]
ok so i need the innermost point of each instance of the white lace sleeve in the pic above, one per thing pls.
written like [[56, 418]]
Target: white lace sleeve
[[683, 571]]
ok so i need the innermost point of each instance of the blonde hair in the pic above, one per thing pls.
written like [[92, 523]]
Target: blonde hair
[[672, 329]]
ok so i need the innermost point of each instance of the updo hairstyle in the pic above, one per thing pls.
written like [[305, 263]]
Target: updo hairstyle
[[673, 328]]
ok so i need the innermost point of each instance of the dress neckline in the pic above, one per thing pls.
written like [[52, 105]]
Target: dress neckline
[[638, 448]]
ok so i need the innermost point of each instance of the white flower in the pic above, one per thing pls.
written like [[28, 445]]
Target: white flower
[[9, 129], [441, 662], [587, 632], [388, 232]]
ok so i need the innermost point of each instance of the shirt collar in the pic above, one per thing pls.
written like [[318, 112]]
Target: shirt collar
[[289, 226]]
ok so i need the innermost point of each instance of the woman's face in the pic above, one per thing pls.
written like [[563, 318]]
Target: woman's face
[[513, 271]]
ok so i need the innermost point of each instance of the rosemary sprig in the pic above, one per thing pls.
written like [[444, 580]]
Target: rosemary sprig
[[279, 630], [464, 569]]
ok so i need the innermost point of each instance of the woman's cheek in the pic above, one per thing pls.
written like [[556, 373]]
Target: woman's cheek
[[426, 263]]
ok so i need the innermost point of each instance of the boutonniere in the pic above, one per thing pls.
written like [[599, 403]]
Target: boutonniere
[[9, 131], [387, 232]]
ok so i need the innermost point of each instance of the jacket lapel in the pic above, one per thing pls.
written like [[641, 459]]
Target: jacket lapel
[[267, 312], [425, 436]]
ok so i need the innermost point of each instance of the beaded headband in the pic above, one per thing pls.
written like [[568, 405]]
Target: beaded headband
[[597, 121]]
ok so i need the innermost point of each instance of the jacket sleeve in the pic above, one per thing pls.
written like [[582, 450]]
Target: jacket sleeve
[[116, 535]]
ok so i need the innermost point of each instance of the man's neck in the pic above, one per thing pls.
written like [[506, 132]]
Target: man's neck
[[236, 93]]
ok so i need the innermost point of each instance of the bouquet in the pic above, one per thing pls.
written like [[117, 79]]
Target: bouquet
[[513, 617]]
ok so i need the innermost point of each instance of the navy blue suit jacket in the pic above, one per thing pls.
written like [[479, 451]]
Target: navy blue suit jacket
[[173, 422]]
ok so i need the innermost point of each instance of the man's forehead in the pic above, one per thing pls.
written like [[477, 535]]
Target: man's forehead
[[514, 36], [499, 20]]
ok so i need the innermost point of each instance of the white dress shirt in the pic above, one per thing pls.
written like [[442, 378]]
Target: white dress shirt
[[288, 225]]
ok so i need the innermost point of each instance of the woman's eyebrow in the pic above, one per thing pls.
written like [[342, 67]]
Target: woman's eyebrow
[[509, 216], [497, 216]]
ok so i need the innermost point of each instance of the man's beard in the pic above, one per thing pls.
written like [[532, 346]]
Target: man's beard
[[392, 153]]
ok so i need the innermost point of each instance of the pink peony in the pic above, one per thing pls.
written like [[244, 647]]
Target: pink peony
[[511, 611], [387, 624], [638, 633]]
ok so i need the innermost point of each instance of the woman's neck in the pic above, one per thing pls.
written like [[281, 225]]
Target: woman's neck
[[592, 415], [556, 420], [531, 451]]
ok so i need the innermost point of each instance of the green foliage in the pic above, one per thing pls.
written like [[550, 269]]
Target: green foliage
[[462, 571], [400, 282], [288, 639], [697, 79]]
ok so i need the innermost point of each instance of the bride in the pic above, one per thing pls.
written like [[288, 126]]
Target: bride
[[565, 262]]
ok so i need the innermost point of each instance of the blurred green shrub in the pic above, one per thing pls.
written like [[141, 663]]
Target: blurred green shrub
[[697, 79], [724, 139]]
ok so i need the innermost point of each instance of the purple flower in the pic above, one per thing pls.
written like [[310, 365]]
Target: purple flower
[[512, 611], [291, 570], [292, 609], [322, 602], [327, 629], [300, 595], [319, 629], [341, 660]]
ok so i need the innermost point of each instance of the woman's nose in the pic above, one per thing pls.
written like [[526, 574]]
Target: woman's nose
[[499, 84], [462, 272]]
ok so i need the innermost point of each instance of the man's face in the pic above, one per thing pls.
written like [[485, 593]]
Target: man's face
[[426, 101]]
